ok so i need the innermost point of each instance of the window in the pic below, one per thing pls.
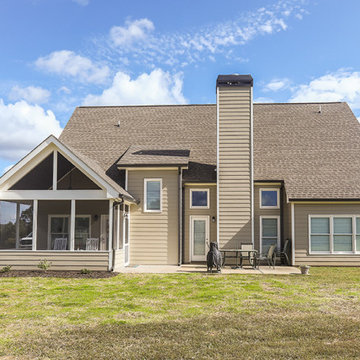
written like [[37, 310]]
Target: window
[[152, 195], [269, 198], [270, 232], [320, 234], [334, 234], [199, 199]]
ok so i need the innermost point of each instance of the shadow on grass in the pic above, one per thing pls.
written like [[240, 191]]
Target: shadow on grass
[[220, 336]]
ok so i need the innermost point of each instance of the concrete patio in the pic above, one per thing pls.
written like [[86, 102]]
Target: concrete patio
[[191, 268]]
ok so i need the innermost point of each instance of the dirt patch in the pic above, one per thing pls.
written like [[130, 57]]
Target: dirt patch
[[59, 274]]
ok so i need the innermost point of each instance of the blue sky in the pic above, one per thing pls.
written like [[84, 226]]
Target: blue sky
[[59, 54]]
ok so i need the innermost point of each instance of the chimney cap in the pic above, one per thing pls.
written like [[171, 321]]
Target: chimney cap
[[234, 80]]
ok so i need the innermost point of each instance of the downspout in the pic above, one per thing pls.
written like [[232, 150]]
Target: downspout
[[282, 238], [180, 215]]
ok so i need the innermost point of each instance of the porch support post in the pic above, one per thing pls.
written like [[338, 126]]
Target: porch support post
[[118, 228], [55, 161], [17, 224], [34, 232], [111, 226], [72, 225]]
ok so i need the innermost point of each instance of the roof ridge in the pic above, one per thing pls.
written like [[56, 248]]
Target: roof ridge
[[210, 104]]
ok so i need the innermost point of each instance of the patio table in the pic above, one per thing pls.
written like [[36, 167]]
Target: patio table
[[251, 255]]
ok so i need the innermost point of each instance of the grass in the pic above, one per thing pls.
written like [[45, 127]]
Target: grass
[[183, 316]]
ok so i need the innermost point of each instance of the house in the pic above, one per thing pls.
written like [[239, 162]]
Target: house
[[127, 185]]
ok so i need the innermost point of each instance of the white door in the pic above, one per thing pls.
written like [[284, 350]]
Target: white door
[[199, 233], [104, 232]]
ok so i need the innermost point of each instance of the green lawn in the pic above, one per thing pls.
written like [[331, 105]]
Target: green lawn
[[183, 316]]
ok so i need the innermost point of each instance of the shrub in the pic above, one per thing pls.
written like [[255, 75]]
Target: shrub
[[5, 269], [44, 264], [85, 271]]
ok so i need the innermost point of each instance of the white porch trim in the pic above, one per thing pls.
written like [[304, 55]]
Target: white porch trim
[[54, 195]]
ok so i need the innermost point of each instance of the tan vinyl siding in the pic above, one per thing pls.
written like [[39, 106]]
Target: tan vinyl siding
[[188, 212], [154, 236], [234, 170], [28, 260], [261, 212], [302, 256]]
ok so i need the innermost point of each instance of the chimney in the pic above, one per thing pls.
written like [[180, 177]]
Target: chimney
[[234, 160]]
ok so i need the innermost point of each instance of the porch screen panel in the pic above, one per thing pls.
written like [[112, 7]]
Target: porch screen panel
[[53, 227], [16, 223]]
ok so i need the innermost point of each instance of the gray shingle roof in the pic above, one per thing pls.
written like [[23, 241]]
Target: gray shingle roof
[[317, 155]]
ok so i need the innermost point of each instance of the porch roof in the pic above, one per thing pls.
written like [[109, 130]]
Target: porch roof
[[90, 166]]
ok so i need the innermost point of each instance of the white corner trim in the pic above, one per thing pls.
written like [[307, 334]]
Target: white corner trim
[[293, 234], [252, 205], [217, 170]]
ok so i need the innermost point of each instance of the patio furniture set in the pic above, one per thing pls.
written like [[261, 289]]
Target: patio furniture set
[[247, 252]]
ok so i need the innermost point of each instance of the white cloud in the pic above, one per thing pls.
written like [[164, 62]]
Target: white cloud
[[277, 84], [68, 63], [22, 127], [64, 90], [82, 2], [341, 85], [133, 31], [31, 94], [188, 47], [158, 87], [263, 99]]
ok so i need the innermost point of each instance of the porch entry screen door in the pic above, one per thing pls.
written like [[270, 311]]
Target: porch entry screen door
[[59, 228], [269, 233], [200, 237]]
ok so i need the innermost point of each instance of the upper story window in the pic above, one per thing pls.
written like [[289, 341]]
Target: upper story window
[[152, 195], [199, 199], [269, 198]]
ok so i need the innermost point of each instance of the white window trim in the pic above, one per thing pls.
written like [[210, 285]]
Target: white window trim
[[65, 216], [278, 231], [278, 198], [208, 199], [331, 235], [146, 180]]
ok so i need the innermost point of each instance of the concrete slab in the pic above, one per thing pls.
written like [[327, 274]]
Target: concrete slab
[[173, 269]]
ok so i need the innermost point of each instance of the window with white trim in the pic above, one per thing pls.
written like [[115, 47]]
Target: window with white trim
[[334, 234], [270, 232], [152, 195], [199, 199], [269, 198]]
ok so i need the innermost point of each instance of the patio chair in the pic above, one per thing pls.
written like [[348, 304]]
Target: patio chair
[[60, 244], [247, 255], [270, 257], [92, 244], [285, 252]]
